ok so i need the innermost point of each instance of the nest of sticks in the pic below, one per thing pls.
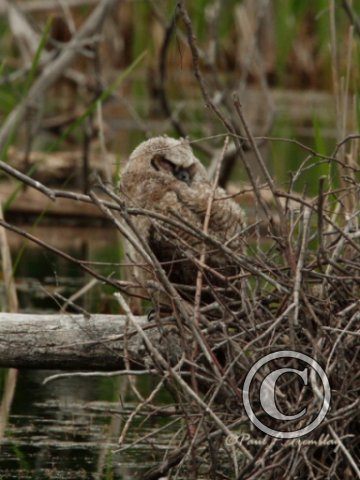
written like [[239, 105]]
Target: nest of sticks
[[298, 292]]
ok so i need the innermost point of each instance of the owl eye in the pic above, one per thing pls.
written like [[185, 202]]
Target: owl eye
[[161, 163], [182, 175]]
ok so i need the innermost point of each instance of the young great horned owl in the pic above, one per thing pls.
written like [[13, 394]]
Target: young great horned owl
[[164, 176]]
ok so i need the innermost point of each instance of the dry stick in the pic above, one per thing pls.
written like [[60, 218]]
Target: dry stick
[[196, 55], [334, 62], [210, 104], [142, 247], [119, 206], [176, 457], [79, 293], [338, 440], [344, 450], [340, 330], [152, 433], [340, 110], [314, 153], [353, 17], [346, 85], [50, 193], [122, 229], [199, 277], [331, 223], [55, 69], [202, 259], [161, 91], [127, 235], [196, 64], [253, 49], [57, 297], [300, 263], [234, 361], [240, 260], [271, 328], [261, 163], [46, 5], [58, 252], [25, 179], [354, 318], [131, 379], [169, 30], [164, 364], [12, 305], [351, 136], [320, 213], [116, 373], [350, 198], [259, 158], [336, 252], [139, 406]]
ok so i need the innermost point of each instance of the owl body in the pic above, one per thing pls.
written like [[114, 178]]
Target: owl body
[[164, 176]]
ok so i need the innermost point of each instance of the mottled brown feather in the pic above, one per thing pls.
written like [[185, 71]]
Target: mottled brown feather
[[156, 189]]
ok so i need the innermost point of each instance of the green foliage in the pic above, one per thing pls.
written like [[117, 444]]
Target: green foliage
[[197, 13], [9, 91], [320, 146], [285, 28], [37, 57], [109, 465], [142, 38], [103, 97], [4, 27], [107, 389], [282, 150]]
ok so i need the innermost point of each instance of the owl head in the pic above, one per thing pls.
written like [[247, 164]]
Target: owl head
[[167, 157]]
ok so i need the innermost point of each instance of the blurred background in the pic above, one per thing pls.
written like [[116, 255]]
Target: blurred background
[[295, 67]]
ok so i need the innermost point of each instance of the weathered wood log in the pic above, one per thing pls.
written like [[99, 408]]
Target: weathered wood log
[[52, 168], [32, 202], [71, 342]]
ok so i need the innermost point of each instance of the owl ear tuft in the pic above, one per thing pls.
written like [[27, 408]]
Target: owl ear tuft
[[160, 163]]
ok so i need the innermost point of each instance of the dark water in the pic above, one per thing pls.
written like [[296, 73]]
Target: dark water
[[69, 429]]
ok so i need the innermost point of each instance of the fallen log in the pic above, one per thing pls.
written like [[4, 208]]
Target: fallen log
[[32, 202], [71, 342], [54, 168]]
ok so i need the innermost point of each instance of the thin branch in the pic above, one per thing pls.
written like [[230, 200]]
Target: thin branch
[[300, 264], [55, 69], [353, 17], [60, 253]]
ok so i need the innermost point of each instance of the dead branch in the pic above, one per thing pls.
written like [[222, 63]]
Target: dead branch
[[55, 69]]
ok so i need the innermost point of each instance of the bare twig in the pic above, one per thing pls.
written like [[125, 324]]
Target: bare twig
[[162, 362], [60, 253], [55, 69], [300, 264], [353, 17]]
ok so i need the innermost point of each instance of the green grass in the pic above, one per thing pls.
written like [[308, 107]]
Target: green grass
[[321, 147], [37, 57]]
